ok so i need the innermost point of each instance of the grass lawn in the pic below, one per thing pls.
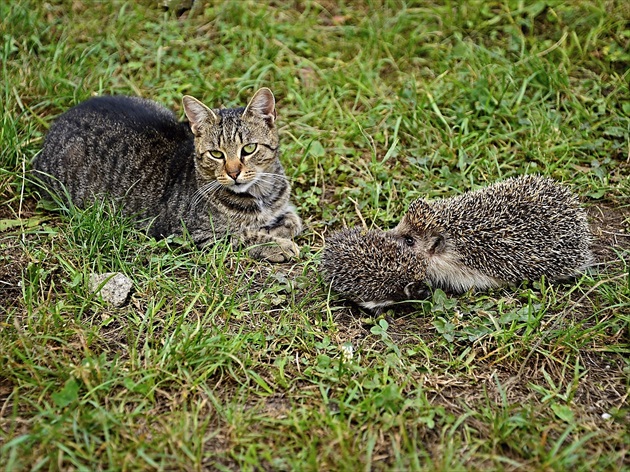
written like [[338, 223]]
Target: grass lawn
[[219, 362]]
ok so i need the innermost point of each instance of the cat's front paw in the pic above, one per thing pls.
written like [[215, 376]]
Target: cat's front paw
[[288, 226], [278, 250]]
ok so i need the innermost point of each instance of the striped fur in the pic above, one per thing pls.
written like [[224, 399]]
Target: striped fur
[[164, 173]]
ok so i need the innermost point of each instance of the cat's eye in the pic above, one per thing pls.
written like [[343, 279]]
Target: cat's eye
[[216, 154], [248, 149]]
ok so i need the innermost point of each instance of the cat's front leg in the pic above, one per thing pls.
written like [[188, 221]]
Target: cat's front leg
[[264, 246], [286, 225]]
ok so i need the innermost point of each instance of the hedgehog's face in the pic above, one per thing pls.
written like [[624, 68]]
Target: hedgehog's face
[[425, 240], [373, 269]]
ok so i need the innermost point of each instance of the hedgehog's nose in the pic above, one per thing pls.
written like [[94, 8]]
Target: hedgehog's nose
[[417, 291]]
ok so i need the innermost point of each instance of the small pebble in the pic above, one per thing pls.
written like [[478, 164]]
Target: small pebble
[[115, 291]]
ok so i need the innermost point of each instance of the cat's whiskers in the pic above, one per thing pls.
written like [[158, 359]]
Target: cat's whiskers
[[278, 176], [204, 192], [268, 178], [265, 181]]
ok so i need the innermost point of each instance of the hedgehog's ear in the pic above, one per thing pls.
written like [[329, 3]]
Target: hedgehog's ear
[[437, 244]]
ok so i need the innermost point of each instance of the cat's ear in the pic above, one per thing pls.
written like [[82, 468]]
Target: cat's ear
[[197, 113], [262, 104]]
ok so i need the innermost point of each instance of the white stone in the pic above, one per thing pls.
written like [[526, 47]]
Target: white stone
[[115, 289]]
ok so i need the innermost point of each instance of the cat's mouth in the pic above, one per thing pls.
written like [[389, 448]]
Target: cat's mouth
[[240, 187]]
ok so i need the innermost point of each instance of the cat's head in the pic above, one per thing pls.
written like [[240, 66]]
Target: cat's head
[[235, 146]]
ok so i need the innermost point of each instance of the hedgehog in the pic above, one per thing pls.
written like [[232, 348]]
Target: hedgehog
[[522, 228]]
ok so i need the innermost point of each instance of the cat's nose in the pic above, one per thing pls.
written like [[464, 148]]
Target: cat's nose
[[234, 174]]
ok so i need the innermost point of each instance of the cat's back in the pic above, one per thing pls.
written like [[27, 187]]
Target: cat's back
[[116, 113], [109, 144]]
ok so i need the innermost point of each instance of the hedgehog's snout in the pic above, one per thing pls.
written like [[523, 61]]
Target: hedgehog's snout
[[417, 290]]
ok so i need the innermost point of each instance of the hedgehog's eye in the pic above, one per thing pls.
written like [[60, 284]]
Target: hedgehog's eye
[[215, 154], [409, 241]]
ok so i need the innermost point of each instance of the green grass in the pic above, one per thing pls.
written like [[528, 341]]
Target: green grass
[[219, 362]]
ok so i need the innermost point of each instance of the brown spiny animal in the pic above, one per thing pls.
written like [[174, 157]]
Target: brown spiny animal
[[522, 228]]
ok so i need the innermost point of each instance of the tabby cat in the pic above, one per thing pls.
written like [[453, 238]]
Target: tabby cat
[[219, 175]]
